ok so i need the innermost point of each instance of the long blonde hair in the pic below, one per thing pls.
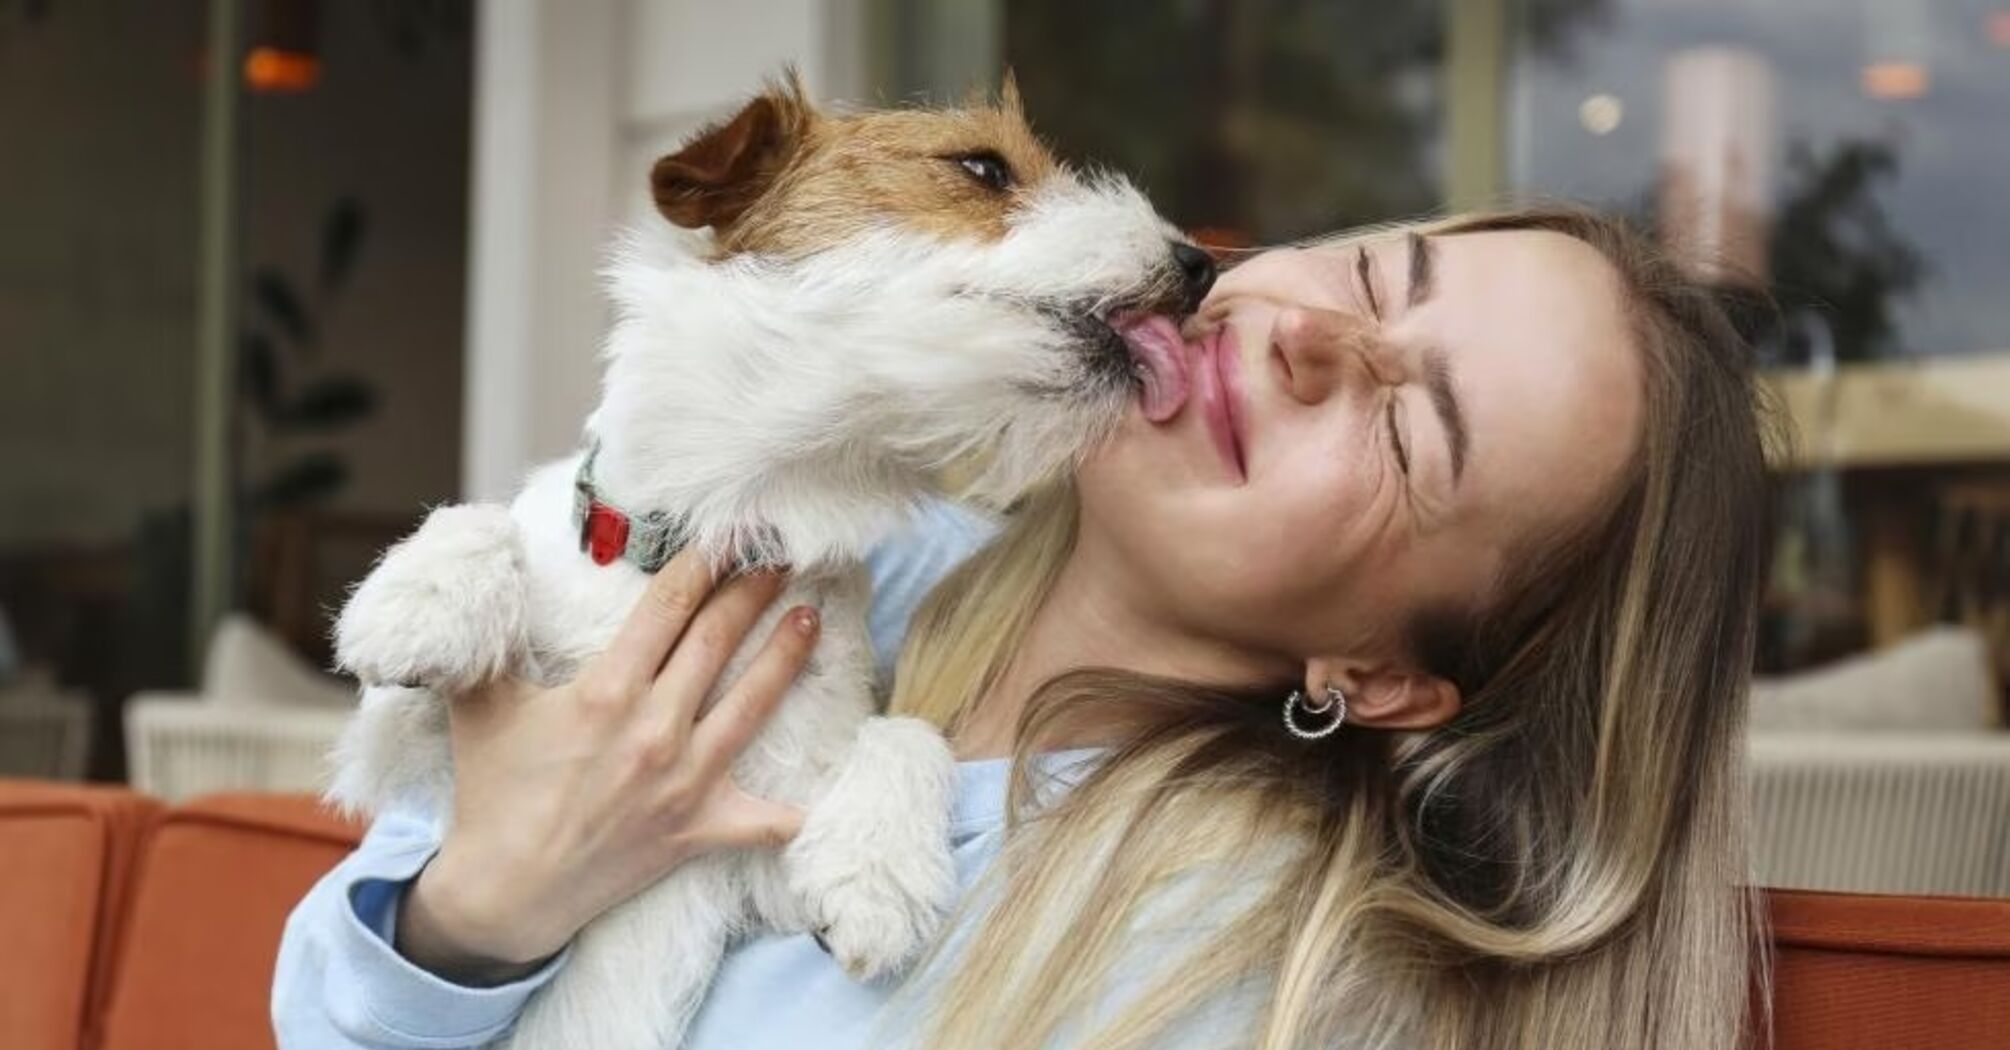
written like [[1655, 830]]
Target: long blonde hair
[[1563, 865]]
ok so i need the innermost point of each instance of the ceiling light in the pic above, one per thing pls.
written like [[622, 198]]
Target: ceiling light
[[1895, 81], [284, 56], [1897, 49], [1600, 114]]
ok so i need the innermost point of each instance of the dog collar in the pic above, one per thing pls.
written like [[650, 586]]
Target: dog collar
[[607, 533]]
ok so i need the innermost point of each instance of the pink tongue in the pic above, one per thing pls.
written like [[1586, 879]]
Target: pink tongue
[[1157, 343]]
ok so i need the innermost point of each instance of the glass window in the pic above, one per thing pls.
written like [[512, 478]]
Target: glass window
[[341, 415], [100, 113], [1250, 123], [1845, 160], [1849, 154]]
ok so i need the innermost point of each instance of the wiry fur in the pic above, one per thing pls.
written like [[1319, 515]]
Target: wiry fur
[[791, 407]]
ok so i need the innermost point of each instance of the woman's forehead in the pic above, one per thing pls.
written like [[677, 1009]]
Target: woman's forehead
[[1536, 327]]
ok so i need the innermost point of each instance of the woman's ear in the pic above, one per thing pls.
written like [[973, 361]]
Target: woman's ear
[[1383, 695]]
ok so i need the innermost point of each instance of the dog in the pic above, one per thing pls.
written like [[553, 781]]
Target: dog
[[840, 311]]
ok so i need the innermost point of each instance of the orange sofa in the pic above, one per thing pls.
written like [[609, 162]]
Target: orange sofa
[[125, 925], [66, 864]]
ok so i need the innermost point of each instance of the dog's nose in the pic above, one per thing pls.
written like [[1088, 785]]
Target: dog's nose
[[1196, 269]]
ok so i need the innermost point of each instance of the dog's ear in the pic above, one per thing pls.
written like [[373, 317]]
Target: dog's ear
[[716, 176], [979, 95], [1008, 95]]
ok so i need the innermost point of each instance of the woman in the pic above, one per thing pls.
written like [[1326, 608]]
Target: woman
[[1390, 690]]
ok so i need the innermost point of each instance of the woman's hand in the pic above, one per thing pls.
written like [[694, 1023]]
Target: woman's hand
[[568, 801]]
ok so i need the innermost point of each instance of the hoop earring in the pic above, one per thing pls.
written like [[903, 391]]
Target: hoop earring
[[1334, 701]]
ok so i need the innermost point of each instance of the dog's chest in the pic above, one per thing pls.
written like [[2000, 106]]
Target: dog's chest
[[576, 607]]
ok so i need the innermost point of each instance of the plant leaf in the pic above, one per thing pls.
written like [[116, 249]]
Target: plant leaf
[[258, 373], [330, 403], [311, 478], [274, 294], [341, 238]]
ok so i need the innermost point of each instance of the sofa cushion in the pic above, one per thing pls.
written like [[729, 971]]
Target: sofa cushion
[[68, 851], [218, 879], [1937, 680]]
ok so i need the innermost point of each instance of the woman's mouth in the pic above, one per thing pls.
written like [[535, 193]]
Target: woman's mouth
[[1218, 389], [1205, 370]]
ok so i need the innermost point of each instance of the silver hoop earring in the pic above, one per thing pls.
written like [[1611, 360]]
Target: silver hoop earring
[[1334, 701]]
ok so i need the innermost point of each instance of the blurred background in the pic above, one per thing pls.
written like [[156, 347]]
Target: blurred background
[[278, 275]]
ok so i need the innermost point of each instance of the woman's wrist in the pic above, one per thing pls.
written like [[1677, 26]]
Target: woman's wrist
[[452, 928]]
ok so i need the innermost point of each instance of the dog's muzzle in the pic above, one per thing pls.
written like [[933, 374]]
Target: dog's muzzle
[[1188, 279], [1197, 274]]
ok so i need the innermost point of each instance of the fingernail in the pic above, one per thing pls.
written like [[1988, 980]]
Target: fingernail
[[804, 619]]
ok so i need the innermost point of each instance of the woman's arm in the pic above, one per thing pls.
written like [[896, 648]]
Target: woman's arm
[[567, 801], [341, 983]]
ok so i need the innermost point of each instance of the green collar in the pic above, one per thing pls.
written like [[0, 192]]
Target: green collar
[[607, 533]]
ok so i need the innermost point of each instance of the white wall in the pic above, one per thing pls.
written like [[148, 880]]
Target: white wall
[[574, 99]]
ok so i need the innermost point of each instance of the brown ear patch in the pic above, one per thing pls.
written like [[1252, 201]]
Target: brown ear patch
[[783, 180], [719, 173]]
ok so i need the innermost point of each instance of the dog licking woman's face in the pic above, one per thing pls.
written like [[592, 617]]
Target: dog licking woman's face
[[1393, 418]]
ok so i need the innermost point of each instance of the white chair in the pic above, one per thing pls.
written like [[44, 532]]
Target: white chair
[[263, 721], [45, 732], [1925, 813], [1886, 773]]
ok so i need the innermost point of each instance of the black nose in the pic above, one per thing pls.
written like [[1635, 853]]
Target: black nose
[[1196, 268]]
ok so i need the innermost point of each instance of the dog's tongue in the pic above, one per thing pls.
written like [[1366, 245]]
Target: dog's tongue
[[1156, 342]]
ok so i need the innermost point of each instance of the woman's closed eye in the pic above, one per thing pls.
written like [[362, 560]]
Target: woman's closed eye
[[1396, 439], [1364, 268]]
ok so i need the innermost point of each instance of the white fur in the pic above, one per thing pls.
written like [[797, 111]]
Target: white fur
[[793, 412]]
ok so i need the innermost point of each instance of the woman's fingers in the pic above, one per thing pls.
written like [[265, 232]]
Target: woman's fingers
[[726, 728], [701, 655], [659, 618], [750, 821]]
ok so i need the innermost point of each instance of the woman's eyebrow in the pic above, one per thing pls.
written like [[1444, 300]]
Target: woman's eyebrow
[[1423, 266], [1438, 380]]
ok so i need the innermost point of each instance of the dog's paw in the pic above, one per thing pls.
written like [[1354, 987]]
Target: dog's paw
[[874, 930], [872, 864], [444, 609]]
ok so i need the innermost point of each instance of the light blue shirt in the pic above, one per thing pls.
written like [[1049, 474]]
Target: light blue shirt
[[341, 986]]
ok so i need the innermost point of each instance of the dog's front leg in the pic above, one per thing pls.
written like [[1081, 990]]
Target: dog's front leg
[[393, 750], [872, 864], [445, 608]]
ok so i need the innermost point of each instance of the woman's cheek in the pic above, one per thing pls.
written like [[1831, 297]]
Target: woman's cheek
[[1341, 508], [1331, 479]]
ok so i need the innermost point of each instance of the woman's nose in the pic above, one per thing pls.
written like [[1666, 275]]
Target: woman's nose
[[1323, 348]]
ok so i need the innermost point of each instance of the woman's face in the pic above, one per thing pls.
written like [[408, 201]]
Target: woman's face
[[1366, 432]]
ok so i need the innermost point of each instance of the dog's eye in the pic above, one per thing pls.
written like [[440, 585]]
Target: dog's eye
[[986, 167]]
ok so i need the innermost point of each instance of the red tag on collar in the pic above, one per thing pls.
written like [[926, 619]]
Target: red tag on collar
[[605, 534]]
